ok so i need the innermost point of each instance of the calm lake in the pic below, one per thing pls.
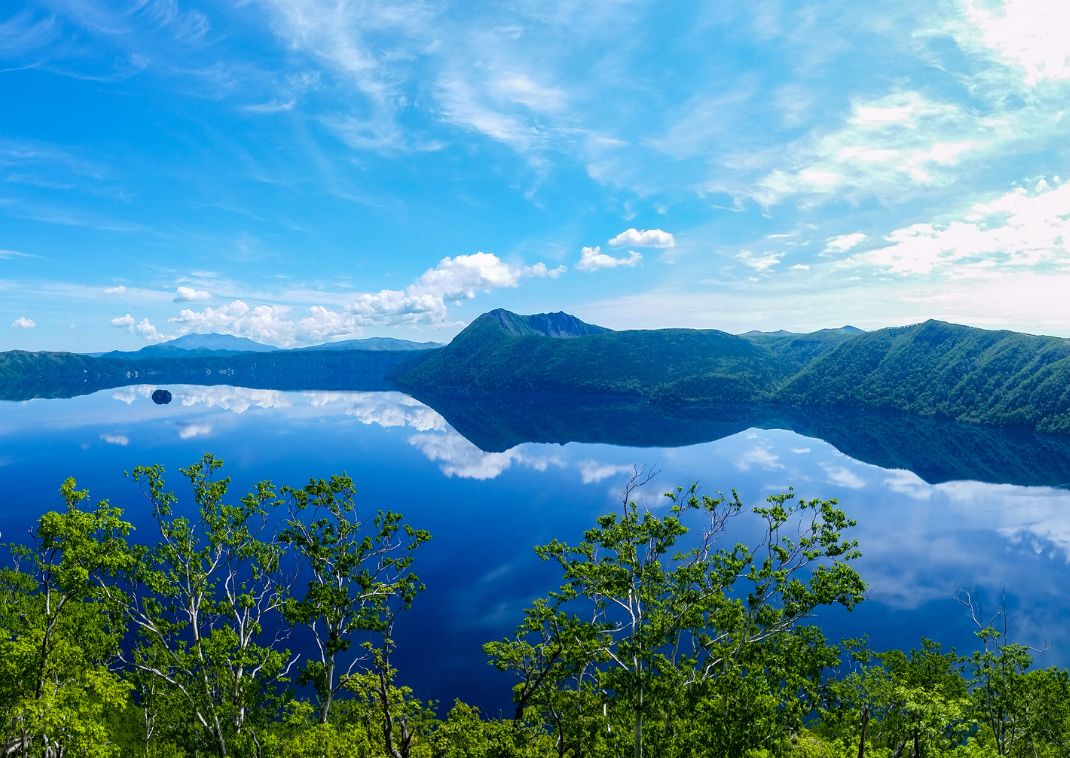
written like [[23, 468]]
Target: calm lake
[[940, 506]]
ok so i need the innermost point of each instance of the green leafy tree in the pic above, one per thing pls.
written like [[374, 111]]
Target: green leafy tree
[[360, 578], [664, 624], [59, 634], [916, 701], [1021, 712], [203, 600]]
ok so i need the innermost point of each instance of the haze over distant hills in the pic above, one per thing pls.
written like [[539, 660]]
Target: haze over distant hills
[[214, 344], [375, 343], [931, 369]]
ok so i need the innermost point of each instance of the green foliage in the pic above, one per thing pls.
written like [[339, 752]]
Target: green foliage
[[59, 631], [648, 647], [931, 369], [359, 577], [681, 364], [662, 640], [939, 369]]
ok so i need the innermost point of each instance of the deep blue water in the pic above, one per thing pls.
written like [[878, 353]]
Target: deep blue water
[[939, 506]]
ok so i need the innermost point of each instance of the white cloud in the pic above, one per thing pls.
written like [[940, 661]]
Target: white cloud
[[192, 431], [458, 457], [392, 409], [14, 254], [463, 275], [116, 439], [261, 322], [23, 323], [643, 238], [425, 301], [1026, 35], [593, 472], [143, 328], [367, 48], [593, 259], [844, 477], [1026, 227], [760, 262], [234, 399], [116, 290], [189, 294], [759, 457], [903, 139], [844, 242]]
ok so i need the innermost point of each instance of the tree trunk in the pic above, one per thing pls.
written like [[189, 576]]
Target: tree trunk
[[862, 739]]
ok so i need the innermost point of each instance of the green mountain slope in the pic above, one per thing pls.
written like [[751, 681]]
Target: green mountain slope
[[503, 351], [798, 350], [940, 369]]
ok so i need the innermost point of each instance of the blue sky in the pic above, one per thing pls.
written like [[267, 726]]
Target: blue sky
[[298, 171]]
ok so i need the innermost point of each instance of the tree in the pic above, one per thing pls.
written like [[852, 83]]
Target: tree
[[203, 600], [665, 626], [59, 633], [1020, 712], [359, 579], [916, 701]]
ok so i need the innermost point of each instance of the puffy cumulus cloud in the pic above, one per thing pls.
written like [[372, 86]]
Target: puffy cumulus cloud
[[393, 409], [189, 295], [261, 322], [130, 394], [593, 259], [458, 457], [233, 399], [143, 328], [1026, 228], [118, 289], [23, 323], [844, 242], [462, 276], [643, 238], [116, 439], [425, 301], [395, 307]]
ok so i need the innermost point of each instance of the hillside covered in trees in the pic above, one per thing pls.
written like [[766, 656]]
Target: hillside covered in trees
[[930, 369], [263, 625]]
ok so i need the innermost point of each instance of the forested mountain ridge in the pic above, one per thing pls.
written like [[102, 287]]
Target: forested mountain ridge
[[504, 351], [941, 369], [931, 369]]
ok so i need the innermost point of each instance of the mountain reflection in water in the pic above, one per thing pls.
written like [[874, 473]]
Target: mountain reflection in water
[[939, 505]]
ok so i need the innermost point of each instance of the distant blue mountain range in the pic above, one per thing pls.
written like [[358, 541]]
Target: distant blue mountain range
[[190, 345]]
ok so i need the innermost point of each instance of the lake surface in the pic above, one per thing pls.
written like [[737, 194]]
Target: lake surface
[[940, 506]]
